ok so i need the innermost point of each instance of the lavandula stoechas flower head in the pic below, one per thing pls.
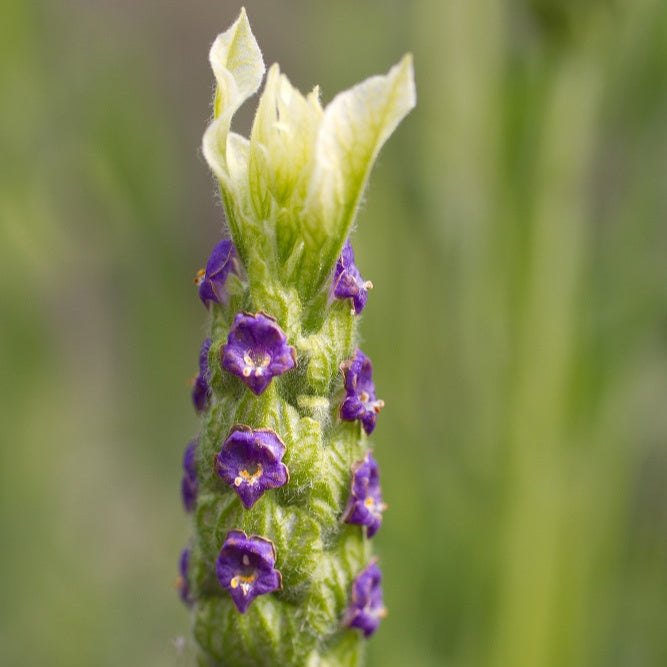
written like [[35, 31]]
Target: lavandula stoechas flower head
[[212, 279], [250, 462], [245, 568], [189, 485], [360, 401], [365, 506], [257, 350], [276, 575], [366, 606], [348, 283], [201, 390]]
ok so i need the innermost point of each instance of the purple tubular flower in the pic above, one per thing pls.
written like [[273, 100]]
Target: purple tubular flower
[[250, 462], [257, 350], [366, 607], [365, 505], [182, 581], [245, 568], [189, 484], [360, 402], [201, 391], [348, 283], [211, 281]]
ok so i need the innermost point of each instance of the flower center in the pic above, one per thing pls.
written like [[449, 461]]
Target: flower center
[[244, 581], [375, 406], [379, 611], [248, 477], [374, 507], [255, 362]]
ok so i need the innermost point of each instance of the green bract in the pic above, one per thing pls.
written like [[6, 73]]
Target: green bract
[[290, 193]]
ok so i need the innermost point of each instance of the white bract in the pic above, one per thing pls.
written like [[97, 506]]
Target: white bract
[[291, 192]]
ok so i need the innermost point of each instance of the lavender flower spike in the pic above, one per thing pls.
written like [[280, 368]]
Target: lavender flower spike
[[365, 504], [250, 462], [291, 192], [348, 283], [189, 484], [211, 281], [366, 607], [257, 350], [245, 567], [360, 401]]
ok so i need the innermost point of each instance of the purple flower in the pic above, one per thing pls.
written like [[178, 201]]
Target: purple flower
[[245, 567], [182, 581], [257, 350], [211, 281], [348, 283], [366, 609], [189, 485], [201, 391], [250, 462], [365, 505], [360, 402]]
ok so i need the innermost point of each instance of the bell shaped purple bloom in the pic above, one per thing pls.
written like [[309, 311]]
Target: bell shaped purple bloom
[[211, 281], [250, 462], [366, 608], [182, 581], [189, 484], [257, 350], [360, 401], [201, 391], [245, 568], [348, 283], [365, 505]]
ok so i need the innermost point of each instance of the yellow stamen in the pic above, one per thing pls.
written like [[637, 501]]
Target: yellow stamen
[[244, 475], [244, 582], [255, 363]]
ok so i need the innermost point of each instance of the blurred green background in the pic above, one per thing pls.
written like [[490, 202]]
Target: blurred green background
[[515, 230]]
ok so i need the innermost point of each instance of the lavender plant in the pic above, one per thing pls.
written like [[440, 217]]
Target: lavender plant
[[282, 486]]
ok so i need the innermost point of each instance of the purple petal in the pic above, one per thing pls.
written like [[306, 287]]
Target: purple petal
[[201, 390], [245, 568], [365, 504], [222, 262], [189, 484], [182, 583], [366, 607], [348, 283], [250, 462], [360, 401], [257, 351]]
